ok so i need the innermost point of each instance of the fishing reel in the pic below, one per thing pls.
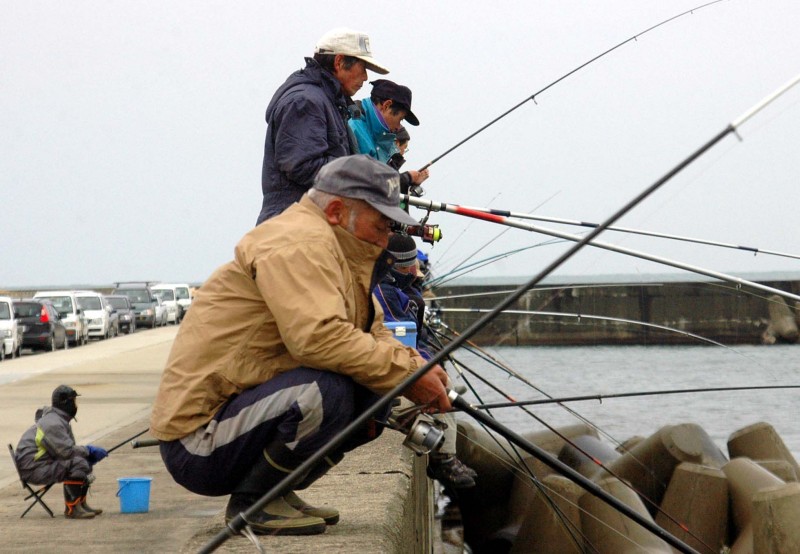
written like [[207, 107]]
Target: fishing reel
[[424, 433], [428, 233]]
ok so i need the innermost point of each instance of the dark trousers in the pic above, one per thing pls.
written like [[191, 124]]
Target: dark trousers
[[302, 409]]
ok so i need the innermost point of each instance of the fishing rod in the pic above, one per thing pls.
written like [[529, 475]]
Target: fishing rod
[[126, 441], [601, 397], [535, 94], [591, 317], [503, 220], [629, 230], [238, 523]]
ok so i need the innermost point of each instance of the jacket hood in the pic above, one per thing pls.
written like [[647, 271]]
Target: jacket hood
[[44, 410], [311, 74]]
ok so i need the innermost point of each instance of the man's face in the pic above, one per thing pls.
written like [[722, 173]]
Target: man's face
[[351, 79], [366, 223], [392, 118]]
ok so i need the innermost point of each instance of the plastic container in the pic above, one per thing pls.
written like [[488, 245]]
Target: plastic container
[[134, 494], [404, 331]]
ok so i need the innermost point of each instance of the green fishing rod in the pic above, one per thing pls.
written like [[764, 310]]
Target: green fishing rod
[[236, 525], [564, 76]]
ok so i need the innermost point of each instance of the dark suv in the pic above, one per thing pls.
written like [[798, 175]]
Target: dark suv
[[124, 309], [143, 301], [40, 324]]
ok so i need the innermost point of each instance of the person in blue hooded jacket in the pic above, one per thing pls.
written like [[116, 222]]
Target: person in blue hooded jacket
[[307, 118], [376, 122], [401, 301]]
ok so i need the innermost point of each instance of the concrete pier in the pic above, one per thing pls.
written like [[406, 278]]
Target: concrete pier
[[384, 506]]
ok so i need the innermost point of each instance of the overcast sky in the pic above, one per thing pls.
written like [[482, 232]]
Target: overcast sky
[[131, 133]]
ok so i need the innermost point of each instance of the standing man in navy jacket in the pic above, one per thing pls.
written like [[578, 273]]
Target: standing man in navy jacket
[[307, 117]]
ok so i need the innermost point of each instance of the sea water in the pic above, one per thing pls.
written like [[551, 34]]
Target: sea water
[[600, 370]]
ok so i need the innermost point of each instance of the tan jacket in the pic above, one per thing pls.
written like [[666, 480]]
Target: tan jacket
[[296, 294]]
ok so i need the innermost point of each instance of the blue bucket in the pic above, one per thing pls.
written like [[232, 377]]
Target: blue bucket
[[134, 494]]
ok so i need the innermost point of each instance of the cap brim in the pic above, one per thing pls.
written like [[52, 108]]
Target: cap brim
[[411, 118], [372, 65], [394, 213]]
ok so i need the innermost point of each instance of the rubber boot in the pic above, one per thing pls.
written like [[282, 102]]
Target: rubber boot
[[330, 515], [277, 517], [73, 499], [84, 493]]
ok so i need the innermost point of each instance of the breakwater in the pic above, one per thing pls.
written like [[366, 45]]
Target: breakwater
[[620, 310]]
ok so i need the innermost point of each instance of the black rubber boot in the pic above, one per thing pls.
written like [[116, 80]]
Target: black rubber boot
[[450, 471], [277, 517], [73, 500], [84, 493]]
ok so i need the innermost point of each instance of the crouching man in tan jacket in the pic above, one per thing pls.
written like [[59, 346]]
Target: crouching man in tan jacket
[[284, 347]]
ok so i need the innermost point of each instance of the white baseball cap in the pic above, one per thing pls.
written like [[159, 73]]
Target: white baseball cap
[[349, 43]]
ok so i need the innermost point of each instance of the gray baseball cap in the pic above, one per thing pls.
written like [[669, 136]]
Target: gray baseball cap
[[367, 179]]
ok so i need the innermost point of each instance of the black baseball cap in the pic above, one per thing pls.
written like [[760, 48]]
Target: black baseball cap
[[384, 88], [367, 179]]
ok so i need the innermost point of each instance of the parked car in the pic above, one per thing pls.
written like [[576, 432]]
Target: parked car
[[124, 311], [41, 325], [173, 309], [66, 303], [10, 335], [181, 295], [142, 300], [96, 313], [161, 312], [113, 317]]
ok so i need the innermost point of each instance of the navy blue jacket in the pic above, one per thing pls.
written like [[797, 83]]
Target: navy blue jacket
[[306, 128]]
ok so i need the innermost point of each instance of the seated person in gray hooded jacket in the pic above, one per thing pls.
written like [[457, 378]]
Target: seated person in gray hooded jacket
[[47, 454]]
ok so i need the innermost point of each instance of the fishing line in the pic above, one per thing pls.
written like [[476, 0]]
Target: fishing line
[[447, 277], [601, 397], [587, 239], [238, 523], [588, 456], [461, 234], [629, 230], [597, 318], [538, 289], [520, 461], [535, 94], [500, 234]]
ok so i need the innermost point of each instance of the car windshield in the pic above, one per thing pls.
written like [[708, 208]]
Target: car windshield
[[28, 309], [90, 303], [166, 294], [136, 295], [118, 303], [5, 311], [183, 293], [62, 304]]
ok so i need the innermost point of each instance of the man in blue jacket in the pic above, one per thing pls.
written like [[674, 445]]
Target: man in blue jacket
[[307, 117], [376, 124]]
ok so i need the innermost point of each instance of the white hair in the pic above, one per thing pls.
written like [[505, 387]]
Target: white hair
[[322, 199]]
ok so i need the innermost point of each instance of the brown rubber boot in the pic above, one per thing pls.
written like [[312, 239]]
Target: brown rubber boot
[[276, 518], [73, 500], [329, 515]]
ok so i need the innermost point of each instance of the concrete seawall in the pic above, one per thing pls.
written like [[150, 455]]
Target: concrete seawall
[[713, 310], [380, 489]]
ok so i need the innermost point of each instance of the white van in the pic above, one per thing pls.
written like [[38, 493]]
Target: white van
[[10, 333], [66, 304], [97, 316], [181, 299]]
